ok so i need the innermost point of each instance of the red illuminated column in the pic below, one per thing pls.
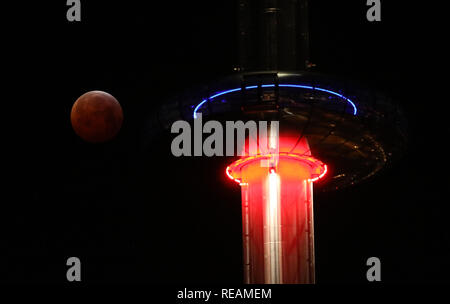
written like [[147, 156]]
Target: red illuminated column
[[277, 216]]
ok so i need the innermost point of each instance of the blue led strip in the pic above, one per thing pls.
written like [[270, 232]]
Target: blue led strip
[[271, 86]]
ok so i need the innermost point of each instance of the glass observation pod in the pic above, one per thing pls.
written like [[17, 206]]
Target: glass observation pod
[[277, 213]]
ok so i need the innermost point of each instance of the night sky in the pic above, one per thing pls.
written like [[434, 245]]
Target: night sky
[[143, 216]]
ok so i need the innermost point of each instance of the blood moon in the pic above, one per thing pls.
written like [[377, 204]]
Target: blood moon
[[96, 116]]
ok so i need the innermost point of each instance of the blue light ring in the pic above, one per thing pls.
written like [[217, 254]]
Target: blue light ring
[[271, 86]]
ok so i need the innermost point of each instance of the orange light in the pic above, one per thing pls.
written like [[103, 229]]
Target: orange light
[[228, 172], [320, 176], [233, 170]]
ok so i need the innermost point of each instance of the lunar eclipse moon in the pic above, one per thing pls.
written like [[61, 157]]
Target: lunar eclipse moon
[[96, 116]]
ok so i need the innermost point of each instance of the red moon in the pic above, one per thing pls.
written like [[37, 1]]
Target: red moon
[[96, 116]]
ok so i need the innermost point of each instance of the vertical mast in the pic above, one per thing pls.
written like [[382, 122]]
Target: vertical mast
[[273, 35]]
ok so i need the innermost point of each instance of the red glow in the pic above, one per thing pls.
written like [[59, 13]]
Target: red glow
[[228, 171], [321, 174], [277, 214]]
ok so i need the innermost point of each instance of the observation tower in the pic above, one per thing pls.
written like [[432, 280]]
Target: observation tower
[[332, 133]]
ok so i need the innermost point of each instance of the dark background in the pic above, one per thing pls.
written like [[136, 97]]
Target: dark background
[[135, 216]]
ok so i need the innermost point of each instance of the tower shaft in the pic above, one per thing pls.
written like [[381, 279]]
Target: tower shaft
[[278, 227], [273, 34]]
